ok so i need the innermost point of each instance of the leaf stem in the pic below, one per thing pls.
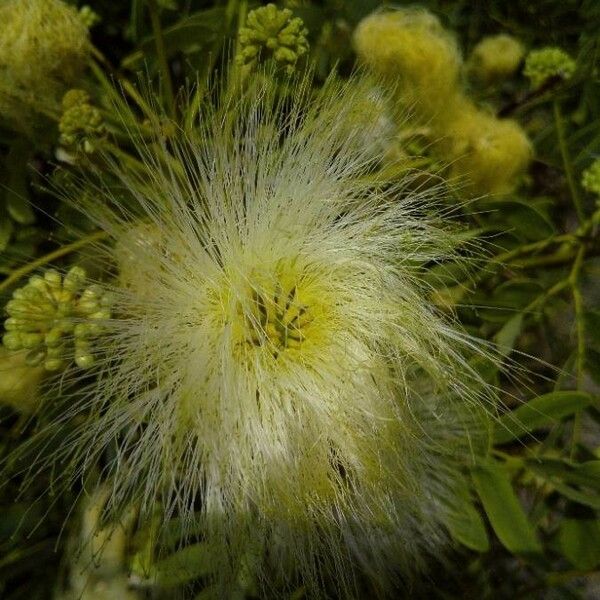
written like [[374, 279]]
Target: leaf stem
[[564, 151], [161, 53], [125, 84], [58, 253], [580, 328]]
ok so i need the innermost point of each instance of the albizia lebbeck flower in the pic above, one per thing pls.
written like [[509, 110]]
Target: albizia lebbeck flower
[[274, 374]]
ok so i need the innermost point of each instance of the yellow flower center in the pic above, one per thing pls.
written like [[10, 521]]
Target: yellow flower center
[[278, 317]]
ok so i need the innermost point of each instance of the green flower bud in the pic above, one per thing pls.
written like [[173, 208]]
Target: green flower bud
[[80, 122], [543, 64], [88, 16], [55, 316], [272, 33], [590, 179]]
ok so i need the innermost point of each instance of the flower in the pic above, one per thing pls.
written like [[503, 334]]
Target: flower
[[44, 45], [488, 155], [274, 375], [545, 63], [273, 33], [52, 316], [409, 47], [495, 57]]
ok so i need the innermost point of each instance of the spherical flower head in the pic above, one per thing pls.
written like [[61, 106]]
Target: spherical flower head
[[409, 47], [547, 63], [80, 122], [44, 46], [274, 375], [495, 57], [590, 179], [53, 317], [272, 33], [487, 155]]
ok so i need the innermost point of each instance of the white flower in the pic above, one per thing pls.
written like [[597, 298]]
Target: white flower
[[274, 372]]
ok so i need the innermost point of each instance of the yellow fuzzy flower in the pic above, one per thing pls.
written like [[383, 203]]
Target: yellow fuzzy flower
[[44, 45], [410, 47], [486, 154], [275, 376], [495, 57]]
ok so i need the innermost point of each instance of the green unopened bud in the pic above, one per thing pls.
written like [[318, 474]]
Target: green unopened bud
[[590, 180], [546, 63], [53, 317], [80, 122], [273, 33], [88, 16]]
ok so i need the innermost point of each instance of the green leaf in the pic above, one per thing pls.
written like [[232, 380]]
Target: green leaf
[[562, 475], [508, 334], [466, 526], [587, 499], [16, 195], [543, 411], [590, 470], [183, 566], [212, 592], [192, 33], [6, 229], [503, 509], [529, 220], [579, 542], [585, 474], [592, 323]]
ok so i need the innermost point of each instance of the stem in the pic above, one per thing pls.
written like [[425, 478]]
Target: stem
[[580, 327], [125, 84], [58, 253], [564, 151], [161, 53]]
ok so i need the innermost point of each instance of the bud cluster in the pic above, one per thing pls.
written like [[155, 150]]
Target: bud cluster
[[53, 316], [80, 121], [273, 33]]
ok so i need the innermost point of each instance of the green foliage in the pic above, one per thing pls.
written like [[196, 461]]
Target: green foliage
[[528, 526]]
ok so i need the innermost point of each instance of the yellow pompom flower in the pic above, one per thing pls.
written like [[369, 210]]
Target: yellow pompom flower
[[44, 45], [487, 155], [410, 47], [274, 374], [495, 57]]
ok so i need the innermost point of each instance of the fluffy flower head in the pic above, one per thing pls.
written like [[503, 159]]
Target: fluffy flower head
[[496, 57], [409, 46], [272, 369], [44, 45], [488, 154]]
